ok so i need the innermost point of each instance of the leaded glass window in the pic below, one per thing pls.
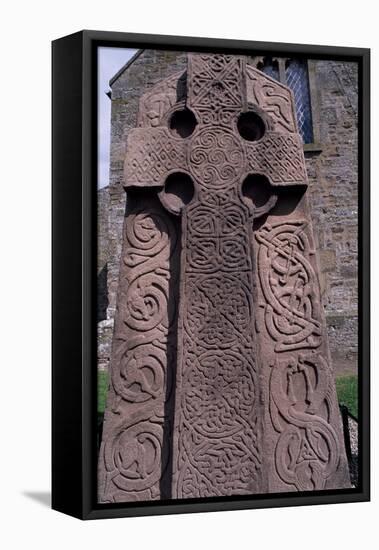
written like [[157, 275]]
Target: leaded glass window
[[297, 80]]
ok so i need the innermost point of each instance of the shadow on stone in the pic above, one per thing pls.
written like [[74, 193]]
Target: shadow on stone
[[287, 203], [169, 406], [102, 294]]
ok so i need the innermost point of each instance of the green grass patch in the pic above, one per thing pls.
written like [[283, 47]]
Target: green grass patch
[[347, 391], [102, 388]]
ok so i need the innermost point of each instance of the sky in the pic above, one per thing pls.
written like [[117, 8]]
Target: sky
[[110, 61]]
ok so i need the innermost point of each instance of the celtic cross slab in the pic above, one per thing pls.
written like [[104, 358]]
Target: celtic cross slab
[[217, 433]]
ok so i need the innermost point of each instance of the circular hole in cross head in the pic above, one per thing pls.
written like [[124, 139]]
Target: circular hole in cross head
[[182, 123], [251, 126], [177, 192], [258, 193]]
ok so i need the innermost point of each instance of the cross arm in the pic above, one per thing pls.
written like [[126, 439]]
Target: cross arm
[[151, 155], [278, 156]]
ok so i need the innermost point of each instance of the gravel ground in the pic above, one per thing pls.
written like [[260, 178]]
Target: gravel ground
[[353, 462]]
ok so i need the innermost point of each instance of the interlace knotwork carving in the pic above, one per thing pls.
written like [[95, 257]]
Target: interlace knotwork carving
[[290, 287]]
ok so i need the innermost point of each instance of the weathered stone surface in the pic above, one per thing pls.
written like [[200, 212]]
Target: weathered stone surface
[[232, 392]]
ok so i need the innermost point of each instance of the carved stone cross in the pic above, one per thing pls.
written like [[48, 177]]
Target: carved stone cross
[[218, 160]]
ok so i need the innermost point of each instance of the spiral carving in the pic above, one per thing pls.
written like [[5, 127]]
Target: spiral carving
[[216, 158], [133, 457]]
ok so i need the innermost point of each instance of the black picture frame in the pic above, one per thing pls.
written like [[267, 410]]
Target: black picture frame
[[74, 370]]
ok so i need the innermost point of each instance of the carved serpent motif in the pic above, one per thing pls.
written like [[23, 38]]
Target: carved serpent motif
[[307, 451]]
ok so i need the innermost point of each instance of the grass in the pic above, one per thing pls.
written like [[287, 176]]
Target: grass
[[102, 388], [347, 391]]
